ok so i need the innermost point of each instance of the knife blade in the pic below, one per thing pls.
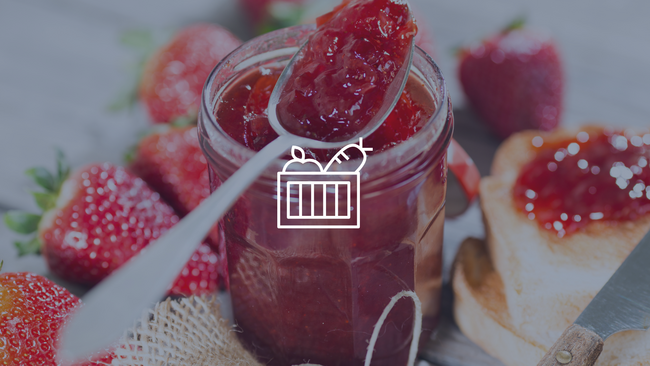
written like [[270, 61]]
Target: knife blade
[[622, 304]]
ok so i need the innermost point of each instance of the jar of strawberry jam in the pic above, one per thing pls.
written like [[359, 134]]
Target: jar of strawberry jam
[[306, 295]]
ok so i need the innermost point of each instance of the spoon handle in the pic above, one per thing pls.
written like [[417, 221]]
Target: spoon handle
[[113, 305]]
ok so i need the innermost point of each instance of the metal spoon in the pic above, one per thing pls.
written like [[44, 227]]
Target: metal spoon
[[114, 304]]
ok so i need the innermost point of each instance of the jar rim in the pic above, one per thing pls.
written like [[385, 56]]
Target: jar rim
[[434, 134]]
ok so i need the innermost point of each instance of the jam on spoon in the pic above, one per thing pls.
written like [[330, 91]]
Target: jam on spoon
[[341, 80], [597, 176]]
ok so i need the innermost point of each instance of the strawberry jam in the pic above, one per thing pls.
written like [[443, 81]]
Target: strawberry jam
[[245, 107], [599, 175], [346, 69]]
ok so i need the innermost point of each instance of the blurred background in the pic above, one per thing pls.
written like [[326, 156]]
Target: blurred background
[[62, 64]]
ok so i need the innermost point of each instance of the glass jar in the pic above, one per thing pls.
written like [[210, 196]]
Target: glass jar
[[314, 295]]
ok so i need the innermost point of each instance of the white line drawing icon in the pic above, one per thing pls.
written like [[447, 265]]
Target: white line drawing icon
[[306, 198]]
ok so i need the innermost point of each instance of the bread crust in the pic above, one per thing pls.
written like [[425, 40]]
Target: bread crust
[[482, 314], [544, 281], [481, 311]]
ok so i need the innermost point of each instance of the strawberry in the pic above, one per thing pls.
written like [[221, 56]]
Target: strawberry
[[199, 276], [32, 311], [173, 78], [97, 219], [172, 163], [514, 81]]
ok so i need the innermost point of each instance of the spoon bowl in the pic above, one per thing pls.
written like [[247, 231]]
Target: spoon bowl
[[393, 94]]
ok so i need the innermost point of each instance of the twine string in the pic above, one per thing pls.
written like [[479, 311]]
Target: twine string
[[417, 328]]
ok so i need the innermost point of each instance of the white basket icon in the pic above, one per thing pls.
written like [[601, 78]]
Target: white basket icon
[[306, 198]]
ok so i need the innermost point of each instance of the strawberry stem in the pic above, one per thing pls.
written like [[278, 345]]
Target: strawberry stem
[[1, 264], [517, 23], [63, 170]]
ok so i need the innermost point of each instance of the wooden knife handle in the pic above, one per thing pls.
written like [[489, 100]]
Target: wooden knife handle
[[576, 347]]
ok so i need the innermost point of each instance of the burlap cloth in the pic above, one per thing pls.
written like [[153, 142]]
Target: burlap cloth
[[185, 332], [192, 332]]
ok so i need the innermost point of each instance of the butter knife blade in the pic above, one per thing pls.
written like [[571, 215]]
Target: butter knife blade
[[624, 302]]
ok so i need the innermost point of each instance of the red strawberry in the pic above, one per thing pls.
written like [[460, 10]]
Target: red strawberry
[[171, 162], [32, 310], [96, 220], [514, 81], [200, 275], [173, 77]]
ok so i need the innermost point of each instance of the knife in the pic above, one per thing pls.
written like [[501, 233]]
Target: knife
[[622, 304]]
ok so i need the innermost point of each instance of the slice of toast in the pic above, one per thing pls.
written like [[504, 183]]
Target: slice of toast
[[483, 315], [545, 281]]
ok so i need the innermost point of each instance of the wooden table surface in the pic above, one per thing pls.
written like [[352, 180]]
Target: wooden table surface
[[61, 65]]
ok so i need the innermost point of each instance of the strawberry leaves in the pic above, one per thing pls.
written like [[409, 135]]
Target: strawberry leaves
[[45, 179], [22, 222], [32, 246], [49, 182], [27, 223], [42, 177], [45, 200]]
